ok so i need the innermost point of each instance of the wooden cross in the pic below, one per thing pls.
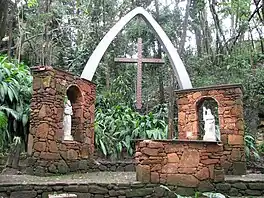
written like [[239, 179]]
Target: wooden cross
[[139, 60]]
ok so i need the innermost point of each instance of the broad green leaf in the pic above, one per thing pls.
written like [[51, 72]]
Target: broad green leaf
[[103, 147]]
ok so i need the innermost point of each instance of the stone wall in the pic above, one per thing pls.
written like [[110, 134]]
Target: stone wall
[[230, 114], [82, 190], [46, 147], [184, 163]]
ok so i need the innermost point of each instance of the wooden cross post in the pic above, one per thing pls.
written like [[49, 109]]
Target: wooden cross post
[[139, 60]]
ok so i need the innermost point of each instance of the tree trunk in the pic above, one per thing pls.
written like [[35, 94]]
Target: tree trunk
[[185, 25], [3, 18], [160, 76], [171, 128]]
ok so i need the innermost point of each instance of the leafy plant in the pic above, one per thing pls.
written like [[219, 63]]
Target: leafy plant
[[117, 127], [261, 148], [15, 95], [250, 147]]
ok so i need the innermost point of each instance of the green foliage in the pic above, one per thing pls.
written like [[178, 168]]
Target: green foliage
[[250, 147], [119, 93], [117, 127], [15, 94], [32, 3], [261, 147]]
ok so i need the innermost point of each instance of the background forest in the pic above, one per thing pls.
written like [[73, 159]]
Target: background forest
[[219, 41]]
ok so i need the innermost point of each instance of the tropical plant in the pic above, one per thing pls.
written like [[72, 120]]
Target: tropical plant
[[15, 95], [250, 147], [261, 147], [5, 136], [117, 127]]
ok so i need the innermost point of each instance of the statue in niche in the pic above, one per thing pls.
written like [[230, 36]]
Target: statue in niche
[[209, 125], [67, 120]]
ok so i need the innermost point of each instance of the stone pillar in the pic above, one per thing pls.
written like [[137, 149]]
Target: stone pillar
[[48, 151], [230, 113]]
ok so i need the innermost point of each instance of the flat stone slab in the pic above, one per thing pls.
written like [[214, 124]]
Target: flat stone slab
[[100, 178], [65, 195], [245, 178], [85, 178]]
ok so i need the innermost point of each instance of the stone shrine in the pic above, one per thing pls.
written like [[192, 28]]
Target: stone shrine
[[188, 161], [231, 121], [48, 150]]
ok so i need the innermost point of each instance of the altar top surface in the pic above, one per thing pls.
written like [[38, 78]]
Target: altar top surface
[[180, 141]]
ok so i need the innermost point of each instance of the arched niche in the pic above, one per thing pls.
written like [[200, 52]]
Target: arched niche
[[212, 104], [74, 94]]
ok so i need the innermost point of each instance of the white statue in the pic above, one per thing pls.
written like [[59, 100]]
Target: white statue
[[209, 125], [67, 120]]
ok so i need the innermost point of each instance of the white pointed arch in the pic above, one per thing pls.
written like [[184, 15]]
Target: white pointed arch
[[177, 64]]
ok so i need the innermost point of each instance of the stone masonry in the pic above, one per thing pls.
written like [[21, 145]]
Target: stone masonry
[[230, 110], [182, 163], [46, 148]]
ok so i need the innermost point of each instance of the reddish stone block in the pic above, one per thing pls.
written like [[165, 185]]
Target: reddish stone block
[[170, 168], [142, 144], [240, 125], [223, 138], [182, 180], [181, 115], [37, 83], [85, 151], [151, 161], [203, 174], [40, 146], [219, 175], [163, 178], [137, 154], [190, 159], [87, 115], [173, 158], [92, 109], [235, 139], [196, 146], [153, 144], [150, 151], [196, 95], [154, 177], [173, 148], [210, 161], [42, 130], [49, 156], [183, 101], [53, 147], [156, 167], [62, 147], [214, 148], [187, 170], [235, 154], [79, 113], [143, 173], [211, 170], [72, 154]]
